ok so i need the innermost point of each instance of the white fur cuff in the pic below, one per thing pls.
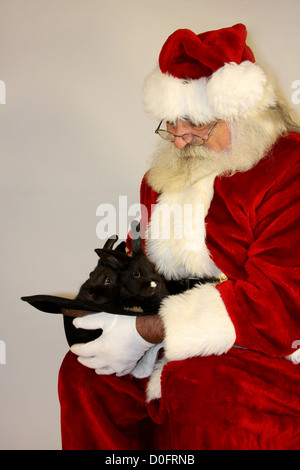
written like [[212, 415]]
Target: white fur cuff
[[196, 324]]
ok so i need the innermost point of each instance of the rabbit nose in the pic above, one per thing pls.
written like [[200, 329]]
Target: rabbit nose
[[153, 284]]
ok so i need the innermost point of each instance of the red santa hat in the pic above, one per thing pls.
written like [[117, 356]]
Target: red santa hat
[[206, 77]]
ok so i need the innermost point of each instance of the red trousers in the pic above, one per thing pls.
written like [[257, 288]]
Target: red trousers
[[240, 400]]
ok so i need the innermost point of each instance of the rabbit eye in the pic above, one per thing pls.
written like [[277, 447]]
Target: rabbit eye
[[136, 274], [107, 281]]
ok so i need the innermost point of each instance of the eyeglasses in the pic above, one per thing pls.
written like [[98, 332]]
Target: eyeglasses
[[191, 139]]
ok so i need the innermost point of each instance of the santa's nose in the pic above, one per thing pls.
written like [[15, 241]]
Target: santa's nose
[[179, 142], [179, 130]]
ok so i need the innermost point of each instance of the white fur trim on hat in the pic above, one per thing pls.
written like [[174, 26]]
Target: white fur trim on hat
[[232, 91], [168, 97]]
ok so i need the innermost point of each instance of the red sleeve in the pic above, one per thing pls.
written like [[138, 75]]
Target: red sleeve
[[265, 307]]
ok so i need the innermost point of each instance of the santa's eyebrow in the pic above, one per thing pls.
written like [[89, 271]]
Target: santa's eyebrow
[[172, 123], [189, 122]]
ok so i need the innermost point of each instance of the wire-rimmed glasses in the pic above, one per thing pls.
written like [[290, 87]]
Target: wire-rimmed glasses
[[191, 139]]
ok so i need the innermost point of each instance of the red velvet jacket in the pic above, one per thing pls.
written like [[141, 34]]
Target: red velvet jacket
[[252, 233]]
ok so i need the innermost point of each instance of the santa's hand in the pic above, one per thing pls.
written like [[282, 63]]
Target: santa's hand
[[119, 347]]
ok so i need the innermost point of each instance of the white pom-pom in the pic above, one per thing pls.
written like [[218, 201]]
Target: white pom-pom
[[237, 89]]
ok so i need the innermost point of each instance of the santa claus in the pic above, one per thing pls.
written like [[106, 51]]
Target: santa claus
[[217, 368]]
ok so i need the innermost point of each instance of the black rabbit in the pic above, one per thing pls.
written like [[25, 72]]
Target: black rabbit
[[102, 287], [141, 286], [127, 281], [103, 283], [119, 283]]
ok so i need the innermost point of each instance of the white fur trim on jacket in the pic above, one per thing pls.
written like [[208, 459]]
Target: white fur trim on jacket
[[196, 324], [154, 384], [295, 357], [232, 91], [185, 254]]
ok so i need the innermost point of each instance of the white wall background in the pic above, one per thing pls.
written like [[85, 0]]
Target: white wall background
[[73, 135]]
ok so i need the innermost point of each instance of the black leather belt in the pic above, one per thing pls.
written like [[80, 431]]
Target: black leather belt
[[181, 285]]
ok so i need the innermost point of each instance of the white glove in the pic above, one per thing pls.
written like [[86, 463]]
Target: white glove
[[119, 347]]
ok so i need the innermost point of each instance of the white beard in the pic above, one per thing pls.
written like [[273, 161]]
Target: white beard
[[174, 170], [186, 177]]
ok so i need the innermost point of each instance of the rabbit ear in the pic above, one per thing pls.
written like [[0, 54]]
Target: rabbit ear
[[98, 251], [108, 258], [136, 238], [135, 230], [135, 226], [110, 242], [121, 247]]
